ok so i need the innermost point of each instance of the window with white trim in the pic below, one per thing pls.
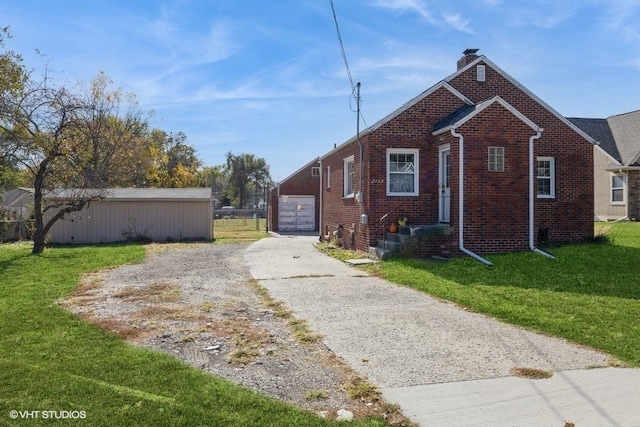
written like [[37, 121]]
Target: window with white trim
[[328, 176], [496, 159], [402, 171], [617, 189], [348, 177], [546, 177]]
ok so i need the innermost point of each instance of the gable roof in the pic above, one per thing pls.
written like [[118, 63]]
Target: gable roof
[[440, 85], [516, 83], [466, 113], [626, 132], [313, 162], [600, 131], [618, 136]]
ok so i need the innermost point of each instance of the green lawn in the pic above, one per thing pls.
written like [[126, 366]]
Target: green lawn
[[53, 361], [590, 294]]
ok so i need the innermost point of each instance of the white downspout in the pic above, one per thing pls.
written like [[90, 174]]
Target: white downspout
[[320, 231], [461, 200], [532, 198]]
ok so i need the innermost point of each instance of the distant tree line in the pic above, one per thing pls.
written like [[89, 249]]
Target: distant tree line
[[92, 136]]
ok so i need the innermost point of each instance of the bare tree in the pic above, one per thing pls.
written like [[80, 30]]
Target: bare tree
[[40, 121]]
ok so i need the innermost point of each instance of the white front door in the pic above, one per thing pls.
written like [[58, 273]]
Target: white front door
[[444, 179]]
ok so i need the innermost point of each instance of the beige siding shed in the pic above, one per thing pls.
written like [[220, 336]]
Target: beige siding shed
[[160, 214]]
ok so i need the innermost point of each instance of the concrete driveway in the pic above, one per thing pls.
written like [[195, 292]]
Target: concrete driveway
[[443, 365]]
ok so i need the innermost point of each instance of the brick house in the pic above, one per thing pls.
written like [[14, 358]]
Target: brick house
[[477, 164], [294, 201], [616, 165]]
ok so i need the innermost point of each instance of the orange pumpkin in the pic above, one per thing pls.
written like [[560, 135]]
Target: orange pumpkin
[[393, 228]]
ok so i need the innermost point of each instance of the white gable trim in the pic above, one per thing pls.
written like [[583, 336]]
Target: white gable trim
[[500, 71], [483, 106], [440, 85]]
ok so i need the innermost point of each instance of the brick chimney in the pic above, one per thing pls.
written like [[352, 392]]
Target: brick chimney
[[468, 56]]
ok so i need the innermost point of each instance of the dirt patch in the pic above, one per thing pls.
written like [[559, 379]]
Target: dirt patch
[[200, 304]]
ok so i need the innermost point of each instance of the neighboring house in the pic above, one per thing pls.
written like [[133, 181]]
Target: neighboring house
[[15, 212], [477, 164], [17, 202], [616, 165], [294, 202], [159, 214]]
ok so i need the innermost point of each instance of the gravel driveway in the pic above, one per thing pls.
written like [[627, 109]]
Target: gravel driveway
[[199, 303]]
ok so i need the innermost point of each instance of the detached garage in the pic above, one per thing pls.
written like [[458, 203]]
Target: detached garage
[[159, 214], [296, 213], [294, 201]]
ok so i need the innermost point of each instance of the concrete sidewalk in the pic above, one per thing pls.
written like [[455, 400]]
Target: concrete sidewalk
[[444, 366]]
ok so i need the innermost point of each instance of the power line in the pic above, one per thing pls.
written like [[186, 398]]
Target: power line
[[354, 93], [344, 54]]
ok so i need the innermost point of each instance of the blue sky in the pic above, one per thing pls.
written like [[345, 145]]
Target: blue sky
[[268, 78]]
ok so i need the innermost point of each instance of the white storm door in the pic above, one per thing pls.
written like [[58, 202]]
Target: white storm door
[[444, 179]]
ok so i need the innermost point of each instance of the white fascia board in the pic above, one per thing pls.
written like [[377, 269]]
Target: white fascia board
[[483, 106]]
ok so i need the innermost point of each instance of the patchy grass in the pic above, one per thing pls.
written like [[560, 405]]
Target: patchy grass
[[531, 373], [239, 230], [316, 394], [52, 360], [358, 388]]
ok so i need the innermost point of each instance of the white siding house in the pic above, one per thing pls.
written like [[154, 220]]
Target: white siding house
[[159, 214]]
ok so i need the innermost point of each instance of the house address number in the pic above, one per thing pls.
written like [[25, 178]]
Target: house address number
[[377, 181]]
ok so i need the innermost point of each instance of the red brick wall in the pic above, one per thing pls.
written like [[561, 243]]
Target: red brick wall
[[633, 195], [496, 217], [496, 204], [411, 129], [569, 216]]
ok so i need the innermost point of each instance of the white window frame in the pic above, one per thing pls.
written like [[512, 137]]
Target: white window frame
[[348, 191], [416, 170], [315, 171], [495, 159], [481, 74], [621, 188], [328, 176], [551, 178]]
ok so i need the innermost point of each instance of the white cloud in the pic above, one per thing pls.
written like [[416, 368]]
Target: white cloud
[[458, 23], [415, 6]]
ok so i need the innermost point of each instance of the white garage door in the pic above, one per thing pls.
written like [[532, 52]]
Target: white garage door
[[296, 213]]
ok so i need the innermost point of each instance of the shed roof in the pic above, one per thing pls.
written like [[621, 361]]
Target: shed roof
[[131, 194]]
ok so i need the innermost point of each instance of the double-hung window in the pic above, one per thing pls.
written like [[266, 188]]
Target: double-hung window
[[496, 159], [348, 176], [617, 189], [402, 172], [546, 177]]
